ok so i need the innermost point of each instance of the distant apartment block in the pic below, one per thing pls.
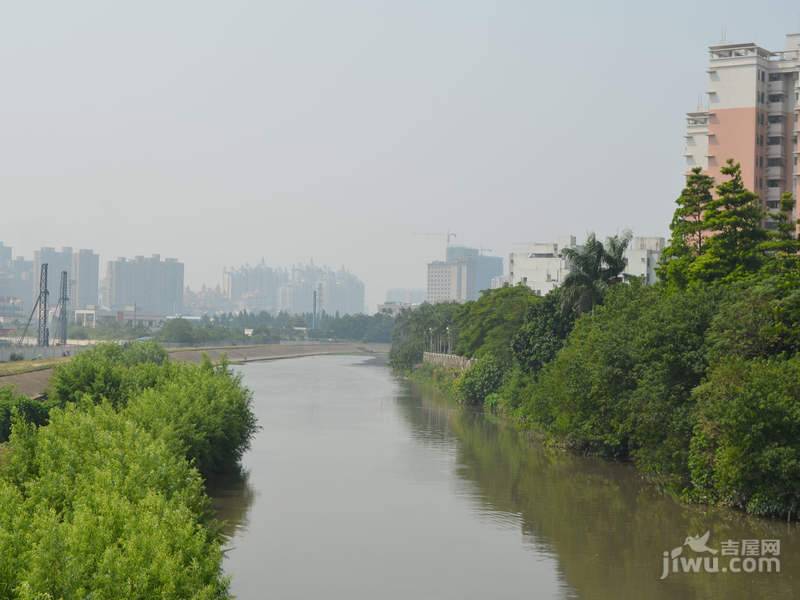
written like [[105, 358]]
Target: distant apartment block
[[146, 284], [253, 288], [751, 116], [336, 292], [541, 266], [294, 291], [83, 273], [642, 256], [462, 276]]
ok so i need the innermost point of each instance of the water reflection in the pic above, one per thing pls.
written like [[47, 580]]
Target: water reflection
[[606, 527], [360, 485], [231, 499]]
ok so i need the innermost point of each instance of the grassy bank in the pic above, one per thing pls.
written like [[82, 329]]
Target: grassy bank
[[29, 366]]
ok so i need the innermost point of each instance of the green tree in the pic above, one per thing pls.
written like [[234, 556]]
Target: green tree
[[543, 333], [733, 222], [687, 239], [745, 450], [593, 268], [782, 246], [487, 325]]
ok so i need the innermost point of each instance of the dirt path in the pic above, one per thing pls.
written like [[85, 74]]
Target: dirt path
[[35, 383]]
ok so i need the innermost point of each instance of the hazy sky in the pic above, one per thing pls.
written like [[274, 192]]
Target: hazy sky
[[224, 132]]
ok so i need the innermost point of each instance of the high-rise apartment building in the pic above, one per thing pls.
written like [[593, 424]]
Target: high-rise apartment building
[[253, 288], [85, 278], [83, 273], [149, 285], [16, 282], [462, 276], [752, 117]]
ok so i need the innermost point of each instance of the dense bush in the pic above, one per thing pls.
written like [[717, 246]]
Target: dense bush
[[484, 377], [745, 450], [94, 506], [108, 371], [27, 409], [204, 412], [106, 500]]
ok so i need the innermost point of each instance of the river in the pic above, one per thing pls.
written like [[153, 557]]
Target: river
[[360, 486]]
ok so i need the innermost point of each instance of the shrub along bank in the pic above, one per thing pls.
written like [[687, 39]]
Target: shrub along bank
[[102, 496], [694, 379]]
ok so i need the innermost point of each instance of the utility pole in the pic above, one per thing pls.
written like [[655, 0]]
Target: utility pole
[[314, 312], [43, 337]]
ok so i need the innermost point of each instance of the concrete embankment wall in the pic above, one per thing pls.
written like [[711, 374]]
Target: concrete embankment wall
[[452, 361]]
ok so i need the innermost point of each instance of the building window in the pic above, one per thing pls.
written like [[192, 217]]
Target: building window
[[775, 97], [775, 119], [775, 77], [773, 183], [775, 162], [774, 140]]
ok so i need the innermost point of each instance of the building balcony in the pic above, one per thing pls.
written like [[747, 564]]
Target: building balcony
[[775, 129], [775, 151], [776, 87], [777, 108], [774, 172]]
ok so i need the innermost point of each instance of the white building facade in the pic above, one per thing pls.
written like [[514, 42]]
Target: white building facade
[[539, 265], [642, 257]]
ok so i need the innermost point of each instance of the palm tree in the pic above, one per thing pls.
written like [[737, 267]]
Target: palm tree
[[593, 268]]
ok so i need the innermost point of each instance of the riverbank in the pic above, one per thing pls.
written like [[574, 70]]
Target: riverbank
[[31, 378]]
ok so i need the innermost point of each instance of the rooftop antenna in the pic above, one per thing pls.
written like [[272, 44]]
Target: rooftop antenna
[[724, 34]]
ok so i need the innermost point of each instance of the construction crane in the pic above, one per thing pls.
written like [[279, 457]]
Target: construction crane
[[447, 237], [43, 333]]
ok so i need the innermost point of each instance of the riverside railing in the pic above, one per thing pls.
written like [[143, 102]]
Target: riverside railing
[[452, 361]]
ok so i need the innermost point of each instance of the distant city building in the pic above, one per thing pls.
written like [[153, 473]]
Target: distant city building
[[751, 117], [85, 288], [500, 281], [336, 292], [206, 301], [83, 273], [148, 284], [253, 288], [275, 289], [642, 257], [5, 257], [405, 295], [462, 276], [540, 265], [16, 282]]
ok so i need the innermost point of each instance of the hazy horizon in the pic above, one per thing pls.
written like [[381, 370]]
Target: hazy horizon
[[221, 134]]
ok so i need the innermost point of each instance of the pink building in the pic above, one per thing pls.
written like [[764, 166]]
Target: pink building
[[752, 116]]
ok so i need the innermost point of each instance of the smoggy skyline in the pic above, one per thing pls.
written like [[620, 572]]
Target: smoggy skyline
[[223, 133]]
